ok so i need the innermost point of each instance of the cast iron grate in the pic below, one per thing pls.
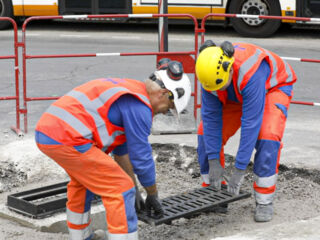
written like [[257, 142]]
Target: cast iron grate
[[43, 202], [191, 203]]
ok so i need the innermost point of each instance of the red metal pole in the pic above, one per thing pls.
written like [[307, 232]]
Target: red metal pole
[[16, 67]]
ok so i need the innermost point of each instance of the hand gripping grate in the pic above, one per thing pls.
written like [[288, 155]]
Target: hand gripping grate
[[190, 203]]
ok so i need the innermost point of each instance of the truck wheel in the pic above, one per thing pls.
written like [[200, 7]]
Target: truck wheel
[[5, 11], [255, 27]]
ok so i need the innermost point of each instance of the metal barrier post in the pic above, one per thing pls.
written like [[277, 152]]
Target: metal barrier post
[[15, 128], [163, 26]]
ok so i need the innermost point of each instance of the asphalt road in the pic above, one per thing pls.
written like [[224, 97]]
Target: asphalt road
[[56, 76]]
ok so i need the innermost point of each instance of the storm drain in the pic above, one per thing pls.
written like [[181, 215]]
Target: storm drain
[[43, 202]]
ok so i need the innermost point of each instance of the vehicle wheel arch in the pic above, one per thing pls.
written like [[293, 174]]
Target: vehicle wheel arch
[[270, 26], [6, 10]]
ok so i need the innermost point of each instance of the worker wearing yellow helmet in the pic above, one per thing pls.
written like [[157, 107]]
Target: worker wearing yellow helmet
[[245, 86]]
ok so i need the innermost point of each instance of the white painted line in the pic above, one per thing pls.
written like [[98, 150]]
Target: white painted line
[[33, 34], [74, 36], [125, 37], [181, 39], [107, 54]]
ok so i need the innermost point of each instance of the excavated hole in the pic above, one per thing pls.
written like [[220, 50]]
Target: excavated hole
[[184, 158], [298, 191]]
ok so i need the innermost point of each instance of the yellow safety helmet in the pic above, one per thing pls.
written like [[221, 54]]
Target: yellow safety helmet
[[213, 66]]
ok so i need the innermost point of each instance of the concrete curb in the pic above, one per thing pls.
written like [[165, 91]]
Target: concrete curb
[[55, 223]]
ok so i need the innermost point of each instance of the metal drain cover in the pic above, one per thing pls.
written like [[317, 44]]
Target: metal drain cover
[[190, 203], [43, 202]]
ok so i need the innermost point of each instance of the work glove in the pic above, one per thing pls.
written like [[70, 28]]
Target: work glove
[[235, 181], [153, 206], [215, 173], [139, 203]]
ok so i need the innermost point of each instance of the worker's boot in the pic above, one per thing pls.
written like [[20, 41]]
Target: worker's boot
[[99, 235], [263, 212]]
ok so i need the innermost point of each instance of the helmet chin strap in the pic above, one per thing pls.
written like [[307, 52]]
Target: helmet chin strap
[[229, 81]]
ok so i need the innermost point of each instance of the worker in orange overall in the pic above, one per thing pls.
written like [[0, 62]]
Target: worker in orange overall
[[245, 86], [111, 115]]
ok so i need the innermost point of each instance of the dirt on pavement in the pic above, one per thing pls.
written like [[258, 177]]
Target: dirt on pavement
[[297, 198]]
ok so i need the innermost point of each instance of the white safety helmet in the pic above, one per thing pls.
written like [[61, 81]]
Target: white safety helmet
[[171, 74]]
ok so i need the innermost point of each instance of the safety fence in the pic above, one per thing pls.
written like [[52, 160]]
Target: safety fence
[[14, 57], [186, 57], [202, 30]]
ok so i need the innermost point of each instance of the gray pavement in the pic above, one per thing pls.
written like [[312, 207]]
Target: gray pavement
[[306, 229]]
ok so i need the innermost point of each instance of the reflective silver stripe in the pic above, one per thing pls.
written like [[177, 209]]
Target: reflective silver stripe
[[127, 236], [78, 218], [246, 66], [91, 108], [71, 120], [205, 178], [214, 93], [105, 96], [144, 98], [289, 71], [263, 198], [80, 234], [265, 182], [113, 136], [273, 79]]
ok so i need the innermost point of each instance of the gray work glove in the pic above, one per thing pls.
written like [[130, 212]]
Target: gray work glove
[[153, 206], [235, 181], [139, 203], [215, 173]]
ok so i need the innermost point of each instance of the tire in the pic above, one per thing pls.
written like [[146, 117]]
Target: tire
[[255, 27], [5, 11]]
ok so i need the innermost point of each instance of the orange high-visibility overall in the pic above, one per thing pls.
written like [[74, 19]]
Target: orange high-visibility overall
[[248, 58], [76, 132]]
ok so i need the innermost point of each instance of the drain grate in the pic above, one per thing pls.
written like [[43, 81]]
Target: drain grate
[[39, 202], [190, 203], [43, 202]]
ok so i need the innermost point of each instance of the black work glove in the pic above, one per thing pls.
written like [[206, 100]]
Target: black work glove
[[153, 206], [139, 203]]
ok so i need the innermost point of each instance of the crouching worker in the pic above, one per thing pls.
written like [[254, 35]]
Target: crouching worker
[[245, 86], [106, 115]]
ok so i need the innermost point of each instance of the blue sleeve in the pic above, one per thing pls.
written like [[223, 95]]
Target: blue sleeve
[[137, 121], [252, 114], [211, 113], [121, 149]]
